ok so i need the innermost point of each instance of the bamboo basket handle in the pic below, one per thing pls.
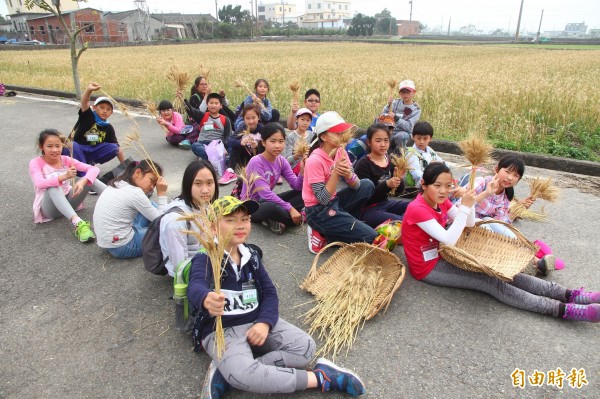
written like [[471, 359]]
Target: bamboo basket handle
[[469, 257], [516, 231], [313, 267]]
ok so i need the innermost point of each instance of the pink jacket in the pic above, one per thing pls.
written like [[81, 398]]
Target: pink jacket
[[44, 176], [176, 124]]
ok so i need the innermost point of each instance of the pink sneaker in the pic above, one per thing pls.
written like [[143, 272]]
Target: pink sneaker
[[316, 241], [227, 177], [582, 312], [583, 297]]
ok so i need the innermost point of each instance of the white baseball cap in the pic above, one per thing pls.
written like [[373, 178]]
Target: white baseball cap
[[303, 111], [407, 84], [104, 100], [331, 121]]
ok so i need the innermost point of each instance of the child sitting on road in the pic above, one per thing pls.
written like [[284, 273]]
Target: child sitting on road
[[259, 99], [303, 118], [405, 112], [332, 215], [420, 154], [52, 174], [244, 144], [123, 211], [211, 125], [95, 140], [249, 307], [173, 123], [277, 211], [378, 168]]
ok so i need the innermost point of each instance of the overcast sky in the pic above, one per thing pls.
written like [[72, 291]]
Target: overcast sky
[[484, 14]]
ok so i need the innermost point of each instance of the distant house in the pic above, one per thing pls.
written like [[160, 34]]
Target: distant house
[[576, 29], [98, 29], [326, 14], [182, 26], [138, 25], [278, 12], [407, 27]]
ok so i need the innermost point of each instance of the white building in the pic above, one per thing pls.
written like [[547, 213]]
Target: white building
[[18, 7], [278, 12], [326, 13]]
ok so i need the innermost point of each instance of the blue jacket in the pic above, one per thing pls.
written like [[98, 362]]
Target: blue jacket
[[201, 283]]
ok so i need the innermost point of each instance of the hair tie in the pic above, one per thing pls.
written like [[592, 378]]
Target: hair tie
[[136, 163]]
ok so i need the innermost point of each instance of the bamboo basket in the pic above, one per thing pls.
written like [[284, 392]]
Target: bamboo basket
[[320, 280], [483, 251]]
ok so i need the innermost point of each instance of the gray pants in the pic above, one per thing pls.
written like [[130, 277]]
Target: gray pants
[[524, 292], [275, 370], [55, 203]]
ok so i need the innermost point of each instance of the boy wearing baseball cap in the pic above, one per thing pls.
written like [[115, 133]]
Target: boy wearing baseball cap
[[249, 308], [303, 120], [405, 112], [95, 140]]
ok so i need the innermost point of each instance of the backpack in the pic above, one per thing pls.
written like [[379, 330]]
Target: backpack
[[151, 252], [205, 118]]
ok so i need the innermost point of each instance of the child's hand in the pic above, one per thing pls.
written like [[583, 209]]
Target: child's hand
[[295, 107], [528, 202], [342, 168], [222, 93], [214, 303], [93, 86], [468, 198], [78, 187], [253, 143], [458, 192], [257, 334], [492, 187], [295, 215], [69, 174], [208, 89], [256, 99], [302, 165], [390, 101], [393, 182], [162, 121], [179, 94], [161, 186]]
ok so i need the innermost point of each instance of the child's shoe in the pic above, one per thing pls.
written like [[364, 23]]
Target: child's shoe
[[227, 177], [578, 312], [83, 231], [275, 227], [185, 144], [544, 249], [215, 385], [583, 297], [546, 265], [559, 264], [316, 241], [333, 377]]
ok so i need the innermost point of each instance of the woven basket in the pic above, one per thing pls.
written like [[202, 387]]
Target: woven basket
[[320, 280], [484, 251]]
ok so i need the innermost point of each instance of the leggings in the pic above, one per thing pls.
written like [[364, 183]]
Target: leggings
[[272, 211], [279, 367], [524, 292], [55, 203]]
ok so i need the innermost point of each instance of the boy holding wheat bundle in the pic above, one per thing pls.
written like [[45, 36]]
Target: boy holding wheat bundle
[[312, 102], [297, 141], [405, 112], [248, 307]]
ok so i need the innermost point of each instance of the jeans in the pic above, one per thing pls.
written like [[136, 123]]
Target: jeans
[[93, 154], [337, 220], [391, 209], [272, 211], [133, 249], [199, 149]]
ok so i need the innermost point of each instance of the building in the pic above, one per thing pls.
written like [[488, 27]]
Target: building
[[139, 25], [278, 12], [182, 26], [98, 29], [326, 13], [407, 27], [576, 29], [18, 7]]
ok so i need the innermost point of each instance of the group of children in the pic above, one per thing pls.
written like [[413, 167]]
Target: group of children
[[338, 201]]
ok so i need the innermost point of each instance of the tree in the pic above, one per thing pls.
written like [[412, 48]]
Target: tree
[[386, 24], [232, 15], [73, 33], [362, 25]]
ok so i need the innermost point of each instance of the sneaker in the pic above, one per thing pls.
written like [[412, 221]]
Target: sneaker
[[583, 297], [333, 377], [185, 144], [275, 227], [582, 312], [227, 177], [546, 265], [214, 386], [84, 232], [316, 241]]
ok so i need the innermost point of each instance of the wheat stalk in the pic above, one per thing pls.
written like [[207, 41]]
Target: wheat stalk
[[241, 84], [249, 181], [519, 211], [181, 80], [294, 87], [122, 107], [392, 83], [401, 166], [539, 188], [301, 149], [204, 72], [134, 141], [477, 152], [342, 140], [152, 109], [214, 243]]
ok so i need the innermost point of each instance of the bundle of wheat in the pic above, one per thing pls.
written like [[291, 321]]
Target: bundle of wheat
[[152, 109], [134, 141], [215, 243], [392, 84], [181, 80], [401, 166], [520, 212], [203, 72], [301, 149], [295, 87], [477, 153], [343, 139], [249, 181], [539, 188]]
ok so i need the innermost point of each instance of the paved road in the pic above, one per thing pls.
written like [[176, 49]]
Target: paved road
[[77, 324]]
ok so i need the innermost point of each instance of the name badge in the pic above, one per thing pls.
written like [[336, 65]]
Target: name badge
[[430, 252], [209, 126], [92, 137], [249, 293]]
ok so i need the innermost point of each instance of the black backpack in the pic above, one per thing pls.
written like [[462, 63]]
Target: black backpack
[[151, 252]]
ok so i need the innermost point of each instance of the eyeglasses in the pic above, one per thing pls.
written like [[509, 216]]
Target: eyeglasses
[[405, 91], [313, 101]]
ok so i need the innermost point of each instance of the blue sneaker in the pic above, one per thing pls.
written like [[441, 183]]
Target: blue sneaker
[[215, 385], [185, 144], [336, 378]]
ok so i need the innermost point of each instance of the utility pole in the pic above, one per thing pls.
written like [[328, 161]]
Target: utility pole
[[519, 22], [537, 39], [283, 18], [449, 22], [410, 18], [216, 11], [251, 15]]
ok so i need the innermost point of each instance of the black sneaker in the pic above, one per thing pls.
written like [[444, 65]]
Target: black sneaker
[[333, 377], [275, 227]]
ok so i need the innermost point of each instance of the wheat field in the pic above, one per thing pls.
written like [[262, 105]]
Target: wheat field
[[522, 98]]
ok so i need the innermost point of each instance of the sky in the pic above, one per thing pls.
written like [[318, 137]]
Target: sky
[[486, 15]]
